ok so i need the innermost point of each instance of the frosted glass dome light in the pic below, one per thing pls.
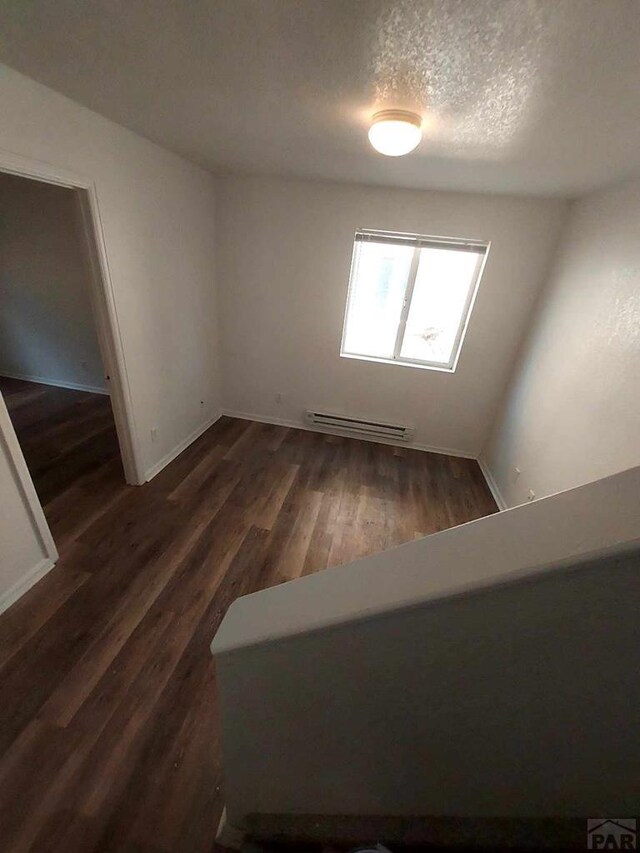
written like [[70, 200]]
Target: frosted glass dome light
[[395, 132]]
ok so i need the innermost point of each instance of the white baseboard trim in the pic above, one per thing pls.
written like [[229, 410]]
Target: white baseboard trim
[[286, 422], [150, 473], [57, 383], [493, 486], [25, 583], [229, 836]]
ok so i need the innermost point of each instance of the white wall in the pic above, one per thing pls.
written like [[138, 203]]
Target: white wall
[[157, 216], [284, 250], [47, 329], [572, 412]]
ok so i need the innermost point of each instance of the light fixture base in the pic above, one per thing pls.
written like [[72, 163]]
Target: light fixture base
[[398, 115]]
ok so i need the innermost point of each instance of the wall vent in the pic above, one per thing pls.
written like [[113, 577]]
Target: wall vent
[[356, 426]]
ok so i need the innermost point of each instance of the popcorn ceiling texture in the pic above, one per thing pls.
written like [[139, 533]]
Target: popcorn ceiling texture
[[519, 96], [470, 67]]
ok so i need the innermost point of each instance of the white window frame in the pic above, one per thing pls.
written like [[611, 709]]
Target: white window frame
[[417, 241]]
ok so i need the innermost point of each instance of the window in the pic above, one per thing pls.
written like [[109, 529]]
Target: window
[[410, 298]]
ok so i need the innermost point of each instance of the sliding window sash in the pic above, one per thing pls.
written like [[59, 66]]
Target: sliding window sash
[[406, 304]]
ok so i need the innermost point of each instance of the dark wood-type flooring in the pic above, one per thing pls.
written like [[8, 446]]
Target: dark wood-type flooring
[[108, 738], [63, 434]]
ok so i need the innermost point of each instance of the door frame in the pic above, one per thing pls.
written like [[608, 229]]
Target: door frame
[[104, 312], [9, 442]]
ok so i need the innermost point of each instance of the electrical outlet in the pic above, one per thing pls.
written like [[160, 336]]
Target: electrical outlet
[[155, 435]]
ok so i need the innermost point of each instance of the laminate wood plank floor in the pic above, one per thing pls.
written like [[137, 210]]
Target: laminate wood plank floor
[[63, 434], [108, 737]]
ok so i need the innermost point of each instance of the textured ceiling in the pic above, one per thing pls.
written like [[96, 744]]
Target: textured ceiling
[[529, 96]]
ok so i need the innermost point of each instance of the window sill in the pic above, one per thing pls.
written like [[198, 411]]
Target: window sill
[[398, 363]]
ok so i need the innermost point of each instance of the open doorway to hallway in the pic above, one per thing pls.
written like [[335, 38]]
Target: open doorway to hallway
[[69, 442], [52, 376]]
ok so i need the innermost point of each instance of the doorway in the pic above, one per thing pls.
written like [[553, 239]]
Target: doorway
[[62, 376], [70, 446]]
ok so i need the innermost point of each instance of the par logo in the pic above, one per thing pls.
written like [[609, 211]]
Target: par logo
[[614, 833]]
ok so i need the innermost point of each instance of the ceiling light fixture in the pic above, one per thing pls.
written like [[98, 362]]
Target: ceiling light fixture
[[395, 132]]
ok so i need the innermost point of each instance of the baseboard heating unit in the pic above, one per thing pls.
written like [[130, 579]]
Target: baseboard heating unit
[[357, 426]]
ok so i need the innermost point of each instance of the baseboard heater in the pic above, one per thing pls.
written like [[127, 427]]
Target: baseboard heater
[[356, 426]]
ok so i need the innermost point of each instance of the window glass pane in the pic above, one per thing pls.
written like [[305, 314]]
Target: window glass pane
[[378, 283], [439, 297]]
